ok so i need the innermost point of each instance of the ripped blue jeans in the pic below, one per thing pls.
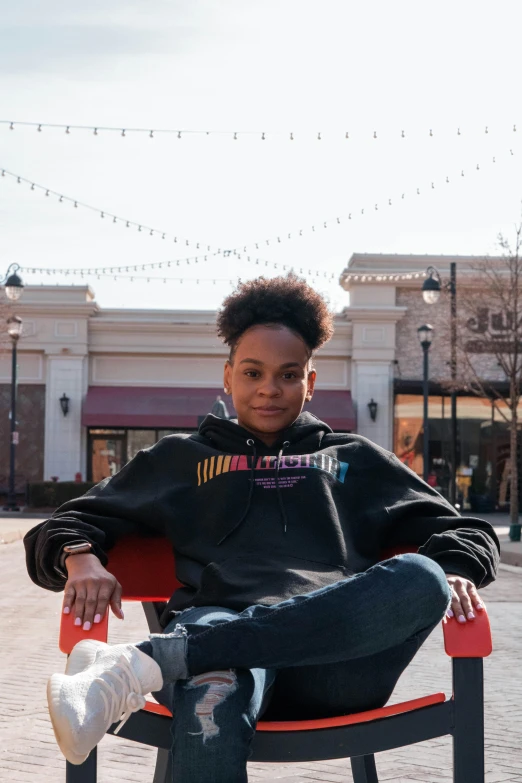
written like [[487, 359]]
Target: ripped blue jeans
[[333, 651]]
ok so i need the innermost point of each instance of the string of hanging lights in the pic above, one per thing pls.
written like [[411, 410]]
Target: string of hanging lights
[[208, 250], [262, 135], [385, 204], [241, 253], [378, 277], [129, 271]]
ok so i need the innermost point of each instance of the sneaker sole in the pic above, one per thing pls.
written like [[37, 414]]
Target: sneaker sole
[[82, 656], [61, 728]]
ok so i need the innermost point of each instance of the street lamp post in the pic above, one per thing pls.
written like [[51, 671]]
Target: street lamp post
[[431, 289], [13, 290], [425, 333], [14, 329]]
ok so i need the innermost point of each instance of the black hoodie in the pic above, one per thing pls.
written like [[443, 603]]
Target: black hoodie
[[253, 524]]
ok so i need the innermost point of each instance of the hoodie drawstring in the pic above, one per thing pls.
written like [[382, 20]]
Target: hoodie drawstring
[[278, 489], [244, 515], [250, 443]]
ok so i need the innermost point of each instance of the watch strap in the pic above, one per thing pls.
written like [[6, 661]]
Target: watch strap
[[76, 548]]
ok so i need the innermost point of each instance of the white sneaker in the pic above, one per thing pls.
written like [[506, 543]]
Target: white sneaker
[[82, 656], [109, 683]]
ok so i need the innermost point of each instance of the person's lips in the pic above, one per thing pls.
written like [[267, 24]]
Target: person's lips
[[268, 410]]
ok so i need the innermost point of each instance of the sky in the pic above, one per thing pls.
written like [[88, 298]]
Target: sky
[[385, 73]]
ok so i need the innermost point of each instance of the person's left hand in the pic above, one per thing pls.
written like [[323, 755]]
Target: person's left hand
[[464, 598]]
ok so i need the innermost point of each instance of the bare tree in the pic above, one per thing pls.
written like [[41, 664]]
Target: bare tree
[[490, 324]]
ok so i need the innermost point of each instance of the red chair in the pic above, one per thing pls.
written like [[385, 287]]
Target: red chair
[[145, 568]]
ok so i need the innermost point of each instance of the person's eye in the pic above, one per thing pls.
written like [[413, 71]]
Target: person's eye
[[252, 373], [289, 375]]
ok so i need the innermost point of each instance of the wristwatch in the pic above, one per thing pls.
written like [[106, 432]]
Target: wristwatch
[[74, 549], [77, 549]]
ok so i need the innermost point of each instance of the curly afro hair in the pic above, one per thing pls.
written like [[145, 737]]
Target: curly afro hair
[[287, 300]]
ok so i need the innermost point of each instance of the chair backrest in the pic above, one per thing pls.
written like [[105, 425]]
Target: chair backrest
[[145, 567]]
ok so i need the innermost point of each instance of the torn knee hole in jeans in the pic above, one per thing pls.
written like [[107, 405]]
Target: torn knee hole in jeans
[[219, 685]]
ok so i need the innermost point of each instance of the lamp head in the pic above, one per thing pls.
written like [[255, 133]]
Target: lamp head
[[13, 284], [14, 327], [425, 333], [431, 287], [372, 407], [64, 403]]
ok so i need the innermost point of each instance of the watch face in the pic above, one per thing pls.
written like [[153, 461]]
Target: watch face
[[72, 548]]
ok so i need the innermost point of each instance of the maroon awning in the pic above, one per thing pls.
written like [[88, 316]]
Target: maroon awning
[[177, 408], [335, 408], [140, 406]]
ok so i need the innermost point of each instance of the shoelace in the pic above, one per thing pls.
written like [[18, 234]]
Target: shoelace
[[121, 705]]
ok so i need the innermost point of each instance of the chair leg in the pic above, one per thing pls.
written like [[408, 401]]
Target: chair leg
[[364, 769], [82, 773], [468, 732], [163, 771]]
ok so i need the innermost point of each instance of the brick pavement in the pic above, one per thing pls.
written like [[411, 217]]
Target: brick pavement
[[29, 653]]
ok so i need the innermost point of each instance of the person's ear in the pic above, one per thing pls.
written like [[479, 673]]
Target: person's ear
[[227, 378], [312, 375]]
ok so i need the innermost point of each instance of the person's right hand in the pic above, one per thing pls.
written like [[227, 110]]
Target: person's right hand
[[89, 589]]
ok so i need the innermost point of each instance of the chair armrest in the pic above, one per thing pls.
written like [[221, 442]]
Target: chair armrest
[[471, 639], [71, 634]]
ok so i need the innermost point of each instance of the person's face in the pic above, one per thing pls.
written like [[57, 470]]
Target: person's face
[[269, 380]]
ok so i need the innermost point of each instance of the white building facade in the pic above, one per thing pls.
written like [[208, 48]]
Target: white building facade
[[132, 376]]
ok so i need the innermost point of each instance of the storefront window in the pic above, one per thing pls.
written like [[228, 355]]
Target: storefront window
[[164, 433], [483, 447], [139, 439], [106, 452], [409, 431], [109, 450]]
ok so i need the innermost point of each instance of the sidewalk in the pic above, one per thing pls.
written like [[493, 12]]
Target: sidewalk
[[29, 654], [510, 551]]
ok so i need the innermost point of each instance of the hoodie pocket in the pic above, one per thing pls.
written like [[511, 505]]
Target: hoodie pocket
[[245, 580]]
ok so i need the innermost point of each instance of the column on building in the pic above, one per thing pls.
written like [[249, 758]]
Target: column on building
[[64, 335], [374, 315], [64, 446]]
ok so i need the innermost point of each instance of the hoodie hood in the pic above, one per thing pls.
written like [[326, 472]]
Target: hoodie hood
[[305, 435]]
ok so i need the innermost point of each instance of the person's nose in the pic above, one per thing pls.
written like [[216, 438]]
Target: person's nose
[[269, 388]]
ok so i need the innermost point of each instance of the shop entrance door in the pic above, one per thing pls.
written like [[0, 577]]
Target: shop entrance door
[[108, 455]]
